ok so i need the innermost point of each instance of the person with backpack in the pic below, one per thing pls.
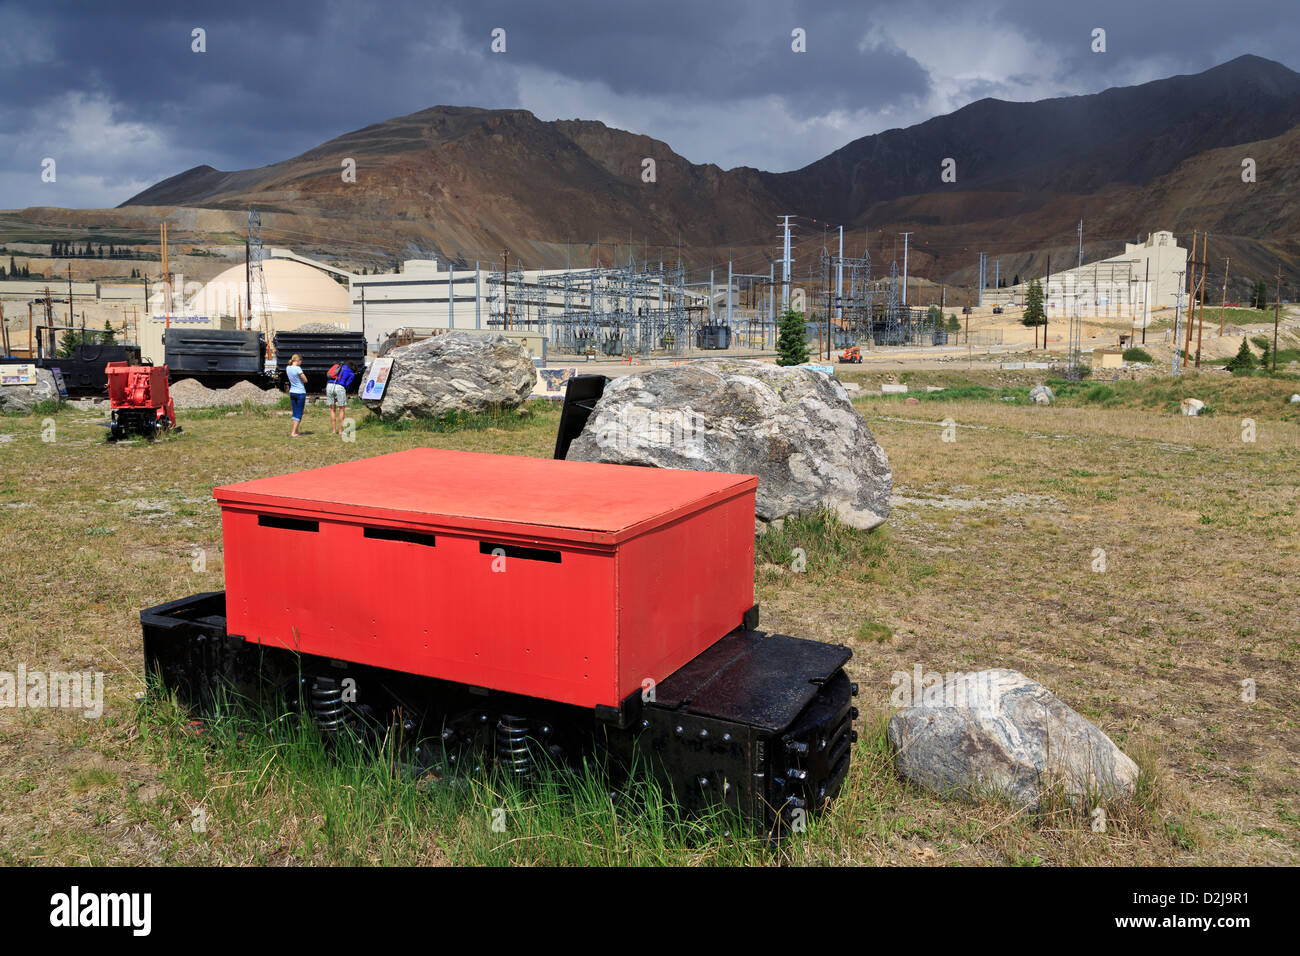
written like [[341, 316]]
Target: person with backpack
[[336, 394], [297, 391]]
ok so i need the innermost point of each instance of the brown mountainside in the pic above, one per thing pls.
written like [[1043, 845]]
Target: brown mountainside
[[464, 183]]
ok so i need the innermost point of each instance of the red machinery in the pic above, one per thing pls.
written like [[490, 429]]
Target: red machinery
[[523, 607], [140, 400]]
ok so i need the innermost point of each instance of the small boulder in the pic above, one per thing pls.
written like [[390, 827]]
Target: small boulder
[[794, 428], [456, 372], [1295, 398], [21, 399], [1191, 406], [1041, 395], [998, 733]]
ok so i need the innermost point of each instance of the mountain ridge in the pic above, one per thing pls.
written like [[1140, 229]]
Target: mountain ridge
[[471, 177]]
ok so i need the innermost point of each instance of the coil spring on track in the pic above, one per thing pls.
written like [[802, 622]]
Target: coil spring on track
[[512, 747], [327, 707]]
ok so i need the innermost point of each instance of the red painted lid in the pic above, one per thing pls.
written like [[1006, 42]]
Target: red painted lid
[[433, 487]]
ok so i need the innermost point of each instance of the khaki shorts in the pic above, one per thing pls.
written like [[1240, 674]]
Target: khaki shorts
[[335, 394]]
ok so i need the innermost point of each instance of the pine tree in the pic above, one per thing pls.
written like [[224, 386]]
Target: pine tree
[[1034, 312], [1243, 361], [68, 343], [792, 339]]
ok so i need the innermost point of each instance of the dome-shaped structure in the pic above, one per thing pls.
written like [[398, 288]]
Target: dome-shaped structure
[[295, 295]]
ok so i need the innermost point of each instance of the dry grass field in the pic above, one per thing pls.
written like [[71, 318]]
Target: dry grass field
[[993, 558]]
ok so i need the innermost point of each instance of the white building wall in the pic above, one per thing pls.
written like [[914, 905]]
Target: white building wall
[[1114, 287]]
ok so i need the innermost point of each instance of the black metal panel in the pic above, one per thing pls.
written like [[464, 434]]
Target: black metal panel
[[84, 371], [319, 351], [764, 680], [581, 394], [214, 352]]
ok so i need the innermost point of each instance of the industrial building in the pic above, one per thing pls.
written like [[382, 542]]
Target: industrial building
[[297, 291], [1144, 277], [634, 309]]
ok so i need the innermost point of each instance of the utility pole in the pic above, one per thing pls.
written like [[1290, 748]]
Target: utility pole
[[505, 295], [729, 281], [1047, 299], [69, 295], [1191, 300], [785, 269], [248, 279], [1146, 302], [1277, 312], [905, 235], [1200, 326], [363, 312], [1076, 323], [1224, 304], [167, 279], [771, 301], [839, 279], [451, 295], [1178, 304], [478, 316]]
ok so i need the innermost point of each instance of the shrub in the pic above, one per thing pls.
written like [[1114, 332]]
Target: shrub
[[1137, 355]]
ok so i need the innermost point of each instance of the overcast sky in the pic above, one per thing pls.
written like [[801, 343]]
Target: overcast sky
[[116, 96]]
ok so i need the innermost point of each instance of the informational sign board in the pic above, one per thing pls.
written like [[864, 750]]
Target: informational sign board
[[824, 369], [552, 381], [376, 379], [18, 374]]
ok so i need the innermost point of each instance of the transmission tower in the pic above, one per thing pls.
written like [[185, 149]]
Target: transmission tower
[[256, 277], [1074, 360]]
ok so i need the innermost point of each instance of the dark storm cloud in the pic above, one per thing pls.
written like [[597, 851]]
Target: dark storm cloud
[[115, 94], [722, 51], [1190, 37]]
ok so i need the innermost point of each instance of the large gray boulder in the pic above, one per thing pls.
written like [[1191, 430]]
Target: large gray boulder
[[21, 399], [456, 372], [792, 427], [998, 733]]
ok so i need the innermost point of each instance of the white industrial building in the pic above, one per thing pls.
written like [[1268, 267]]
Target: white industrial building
[[1145, 276]]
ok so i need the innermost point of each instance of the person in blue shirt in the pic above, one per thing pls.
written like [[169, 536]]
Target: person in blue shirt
[[297, 391]]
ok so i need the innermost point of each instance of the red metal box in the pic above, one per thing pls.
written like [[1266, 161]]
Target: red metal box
[[564, 580]]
